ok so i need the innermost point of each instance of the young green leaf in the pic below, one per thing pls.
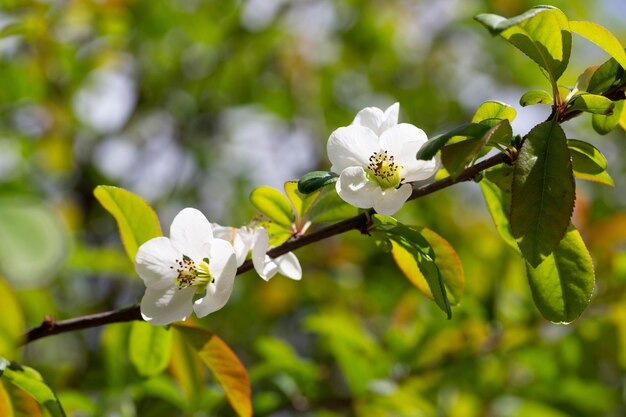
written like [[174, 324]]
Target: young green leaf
[[494, 110], [588, 162], [224, 364], [542, 33], [563, 283], [315, 180], [449, 265], [30, 381], [604, 124], [535, 97], [601, 37], [272, 203], [301, 203], [330, 208], [609, 74], [416, 259], [496, 186], [136, 220], [470, 130], [543, 192], [592, 103], [150, 348]]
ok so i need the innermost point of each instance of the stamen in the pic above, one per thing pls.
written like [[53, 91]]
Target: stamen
[[191, 274], [384, 169]]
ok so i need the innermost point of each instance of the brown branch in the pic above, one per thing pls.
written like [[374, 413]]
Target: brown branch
[[360, 222]]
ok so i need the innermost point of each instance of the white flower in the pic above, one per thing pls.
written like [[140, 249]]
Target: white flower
[[242, 239], [190, 263], [287, 264], [376, 160]]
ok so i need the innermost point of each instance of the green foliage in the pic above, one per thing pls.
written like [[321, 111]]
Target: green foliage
[[496, 186], [604, 124], [492, 112], [588, 163], [607, 76], [535, 97], [315, 180], [150, 348], [601, 37], [434, 144], [592, 103], [273, 204], [563, 283], [542, 192], [136, 220], [31, 382]]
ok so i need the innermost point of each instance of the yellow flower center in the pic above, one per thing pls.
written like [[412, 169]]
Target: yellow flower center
[[383, 170], [191, 274]]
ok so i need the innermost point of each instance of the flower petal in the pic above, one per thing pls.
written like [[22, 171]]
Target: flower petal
[[395, 139], [371, 117], [391, 117], [191, 233], [391, 200], [351, 146], [223, 267], [289, 266], [259, 249], [420, 170], [155, 263], [355, 189], [165, 306]]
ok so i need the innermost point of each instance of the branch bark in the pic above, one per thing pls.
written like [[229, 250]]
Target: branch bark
[[50, 326]]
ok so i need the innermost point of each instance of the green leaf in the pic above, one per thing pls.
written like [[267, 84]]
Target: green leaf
[[604, 124], [33, 241], [301, 203], [541, 33], [535, 97], [330, 208], [592, 103], [608, 75], [470, 130], [150, 348], [543, 192], [6, 408], [315, 180], [455, 157], [494, 110], [496, 186], [136, 220], [563, 283], [601, 37], [12, 323], [449, 265], [588, 162], [224, 364], [29, 380], [415, 257], [273, 204]]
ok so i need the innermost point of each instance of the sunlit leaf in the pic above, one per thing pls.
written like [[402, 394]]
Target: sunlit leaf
[[542, 33], [136, 220], [601, 37], [496, 186], [273, 204], [563, 283], [29, 380], [582, 82], [301, 203], [495, 110], [592, 103], [470, 130], [150, 348], [604, 124], [609, 74], [543, 192], [330, 208], [588, 162], [535, 97], [22, 403], [315, 180], [6, 408], [226, 367]]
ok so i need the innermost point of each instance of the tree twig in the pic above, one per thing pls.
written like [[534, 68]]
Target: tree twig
[[51, 327]]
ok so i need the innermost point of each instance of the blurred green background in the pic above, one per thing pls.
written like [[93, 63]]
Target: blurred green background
[[196, 102]]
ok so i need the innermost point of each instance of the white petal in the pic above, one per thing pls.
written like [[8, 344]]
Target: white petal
[[371, 117], [351, 146], [355, 189], [167, 305], [223, 267], [391, 200], [420, 170], [191, 234], [259, 248], [289, 266], [155, 263], [269, 269], [391, 117], [395, 139]]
